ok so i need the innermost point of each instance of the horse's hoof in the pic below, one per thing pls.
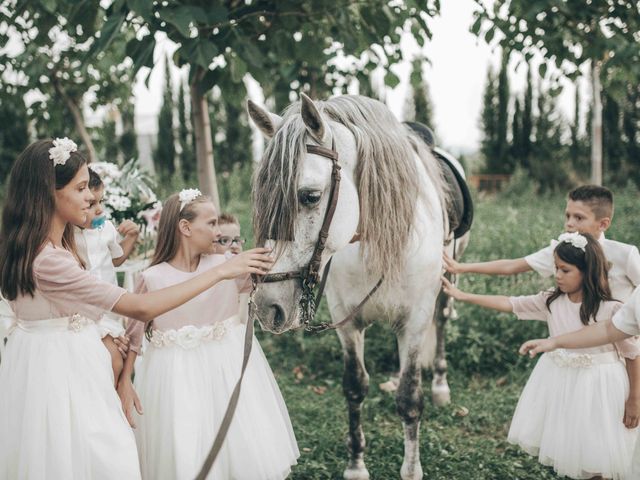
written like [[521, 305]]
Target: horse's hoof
[[441, 395], [411, 472], [356, 471]]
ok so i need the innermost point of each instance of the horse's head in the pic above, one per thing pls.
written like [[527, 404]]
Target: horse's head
[[292, 190]]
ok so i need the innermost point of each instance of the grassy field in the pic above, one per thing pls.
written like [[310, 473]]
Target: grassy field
[[486, 374]]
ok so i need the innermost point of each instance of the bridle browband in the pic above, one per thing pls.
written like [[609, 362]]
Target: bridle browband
[[310, 275]]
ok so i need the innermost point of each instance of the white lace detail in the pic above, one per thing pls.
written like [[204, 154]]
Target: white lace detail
[[190, 336], [562, 358], [77, 322]]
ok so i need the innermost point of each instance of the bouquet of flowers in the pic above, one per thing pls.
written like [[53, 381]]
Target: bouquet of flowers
[[129, 195]]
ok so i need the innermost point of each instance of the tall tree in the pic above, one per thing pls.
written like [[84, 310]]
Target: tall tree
[[516, 133], [569, 34], [165, 154], [502, 145], [185, 137], [14, 134], [418, 105], [275, 42], [527, 119], [52, 60], [489, 143]]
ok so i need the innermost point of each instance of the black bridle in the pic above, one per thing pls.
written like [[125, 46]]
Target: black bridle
[[309, 275]]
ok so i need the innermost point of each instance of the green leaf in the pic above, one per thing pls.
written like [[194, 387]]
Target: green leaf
[[238, 69], [542, 69], [141, 52], [198, 51], [180, 18], [108, 33], [216, 14], [144, 8], [391, 79]]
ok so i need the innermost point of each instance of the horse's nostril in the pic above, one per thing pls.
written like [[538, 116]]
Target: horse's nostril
[[278, 316]]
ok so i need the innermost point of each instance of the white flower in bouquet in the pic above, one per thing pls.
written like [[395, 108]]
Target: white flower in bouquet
[[119, 202], [108, 172]]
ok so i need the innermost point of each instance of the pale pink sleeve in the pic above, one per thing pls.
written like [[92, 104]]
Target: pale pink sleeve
[[630, 347], [244, 283], [135, 328], [59, 274], [531, 307]]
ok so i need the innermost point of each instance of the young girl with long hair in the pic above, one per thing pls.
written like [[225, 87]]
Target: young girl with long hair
[[570, 413], [192, 361], [60, 416]]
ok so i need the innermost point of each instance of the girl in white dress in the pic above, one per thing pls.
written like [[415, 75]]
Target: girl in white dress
[[60, 417], [570, 413], [193, 361]]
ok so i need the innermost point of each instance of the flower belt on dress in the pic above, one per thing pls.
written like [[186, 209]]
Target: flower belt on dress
[[74, 323], [190, 336], [563, 358]]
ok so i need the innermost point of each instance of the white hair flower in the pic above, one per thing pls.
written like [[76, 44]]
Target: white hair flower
[[187, 196], [575, 239], [61, 150]]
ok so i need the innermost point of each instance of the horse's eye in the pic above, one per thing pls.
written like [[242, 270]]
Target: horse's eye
[[309, 198]]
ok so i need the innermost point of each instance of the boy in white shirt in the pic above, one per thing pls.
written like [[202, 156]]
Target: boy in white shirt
[[589, 210], [99, 247]]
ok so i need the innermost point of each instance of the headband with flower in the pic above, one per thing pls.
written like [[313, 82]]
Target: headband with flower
[[61, 150], [187, 196], [575, 239]]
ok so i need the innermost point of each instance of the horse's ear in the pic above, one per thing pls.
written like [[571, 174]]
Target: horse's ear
[[311, 118], [268, 123]]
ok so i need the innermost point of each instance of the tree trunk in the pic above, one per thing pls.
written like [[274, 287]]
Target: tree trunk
[[78, 120], [203, 143], [596, 125]]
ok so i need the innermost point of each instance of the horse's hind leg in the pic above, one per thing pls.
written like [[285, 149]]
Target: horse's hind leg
[[440, 393], [355, 383], [409, 397]]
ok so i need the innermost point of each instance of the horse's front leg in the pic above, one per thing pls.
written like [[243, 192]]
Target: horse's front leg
[[355, 383], [440, 393], [409, 396]]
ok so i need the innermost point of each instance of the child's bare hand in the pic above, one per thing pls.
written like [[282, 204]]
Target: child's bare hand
[[128, 228], [129, 399], [450, 265], [450, 289], [540, 345], [256, 260], [631, 412], [122, 343]]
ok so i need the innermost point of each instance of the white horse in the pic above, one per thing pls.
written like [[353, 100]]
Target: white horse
[[392, 200]]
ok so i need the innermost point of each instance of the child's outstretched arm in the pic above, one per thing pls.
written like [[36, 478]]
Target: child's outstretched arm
[[496, 302], [595, 335], [126, 392], [130, 231], [495, 267]]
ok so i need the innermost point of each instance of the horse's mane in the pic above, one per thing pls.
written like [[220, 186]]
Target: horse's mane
[[386, 178]]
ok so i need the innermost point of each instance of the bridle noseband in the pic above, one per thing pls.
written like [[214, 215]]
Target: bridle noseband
[[310, 275]]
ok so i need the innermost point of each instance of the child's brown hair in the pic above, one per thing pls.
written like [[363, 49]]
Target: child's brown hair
[[599, 199], [227, 218]]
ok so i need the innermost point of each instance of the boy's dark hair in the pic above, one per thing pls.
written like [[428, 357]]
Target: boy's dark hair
[[599, 199], [95, 181], [227, 218], [595, 282]]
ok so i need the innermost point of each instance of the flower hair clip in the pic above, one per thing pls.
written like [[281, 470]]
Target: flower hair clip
[[61, 150], [575, 239], [187, 196]]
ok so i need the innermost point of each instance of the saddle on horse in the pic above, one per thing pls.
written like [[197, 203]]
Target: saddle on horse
[[460, 209]]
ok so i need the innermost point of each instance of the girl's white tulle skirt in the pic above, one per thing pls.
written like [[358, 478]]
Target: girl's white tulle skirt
[[184, 383], [60, 417], [570, 416]]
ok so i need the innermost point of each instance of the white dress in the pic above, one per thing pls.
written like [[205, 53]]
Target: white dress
[[570, 411], [60, 417], [101, 247], [184, 382]]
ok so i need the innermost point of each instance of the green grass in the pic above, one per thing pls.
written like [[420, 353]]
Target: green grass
[[485, 373]]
